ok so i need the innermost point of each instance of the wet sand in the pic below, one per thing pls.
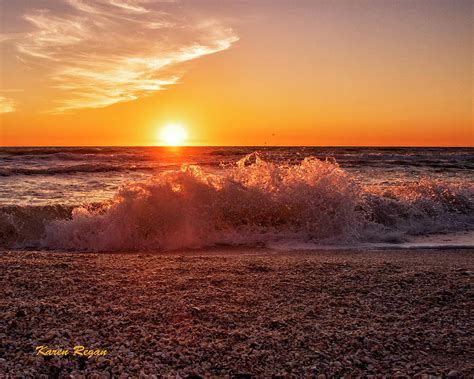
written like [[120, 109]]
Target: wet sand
[[232, 313]]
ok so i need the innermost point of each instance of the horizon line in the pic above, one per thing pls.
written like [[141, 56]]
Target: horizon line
[[257, 146]]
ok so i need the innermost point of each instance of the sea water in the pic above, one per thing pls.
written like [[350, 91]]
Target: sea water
[[158, 198]]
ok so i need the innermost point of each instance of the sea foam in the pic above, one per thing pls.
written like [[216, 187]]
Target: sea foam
[[253, 202]]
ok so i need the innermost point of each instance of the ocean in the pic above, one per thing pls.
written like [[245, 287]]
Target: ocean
[[160, 198]]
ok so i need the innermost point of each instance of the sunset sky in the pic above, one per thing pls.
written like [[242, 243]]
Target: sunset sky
[[335, 72]]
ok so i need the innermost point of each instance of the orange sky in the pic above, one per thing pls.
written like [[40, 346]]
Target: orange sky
[[112, 72]]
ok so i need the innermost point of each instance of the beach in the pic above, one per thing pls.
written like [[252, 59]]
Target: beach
[[236, 312]]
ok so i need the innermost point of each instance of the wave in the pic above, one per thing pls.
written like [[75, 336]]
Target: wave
[[254, 202], [19, 151], [23, 226], [72, 169], [63, 156], [459, 159]]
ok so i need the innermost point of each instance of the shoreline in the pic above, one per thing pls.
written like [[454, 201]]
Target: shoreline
[[230, 311]]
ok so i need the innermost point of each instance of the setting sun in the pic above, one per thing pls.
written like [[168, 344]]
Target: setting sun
[[172, 135]]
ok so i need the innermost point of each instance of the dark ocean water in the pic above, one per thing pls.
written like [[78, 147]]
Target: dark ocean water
[[136, 198]]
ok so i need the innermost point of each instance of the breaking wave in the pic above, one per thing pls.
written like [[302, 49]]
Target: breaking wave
[[254, 202]]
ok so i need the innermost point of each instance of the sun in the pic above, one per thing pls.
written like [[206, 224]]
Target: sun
[[172, 135]]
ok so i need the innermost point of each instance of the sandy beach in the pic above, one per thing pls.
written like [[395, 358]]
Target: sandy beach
[[235, 313]]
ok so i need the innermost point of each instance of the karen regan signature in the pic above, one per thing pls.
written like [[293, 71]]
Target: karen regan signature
[[76, 351]]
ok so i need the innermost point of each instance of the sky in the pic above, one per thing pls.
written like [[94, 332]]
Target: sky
[[261, 72]]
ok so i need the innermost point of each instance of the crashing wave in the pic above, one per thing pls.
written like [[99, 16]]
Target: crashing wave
[[254, 202]]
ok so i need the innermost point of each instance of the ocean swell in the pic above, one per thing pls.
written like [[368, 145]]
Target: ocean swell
[[74, 169], [254, 202]]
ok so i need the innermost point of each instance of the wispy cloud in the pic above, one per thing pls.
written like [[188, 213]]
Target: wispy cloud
[[6, 105], [102, 52]]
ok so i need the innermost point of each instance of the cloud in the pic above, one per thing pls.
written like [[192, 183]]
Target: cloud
[[102, 52], [6, 105]]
